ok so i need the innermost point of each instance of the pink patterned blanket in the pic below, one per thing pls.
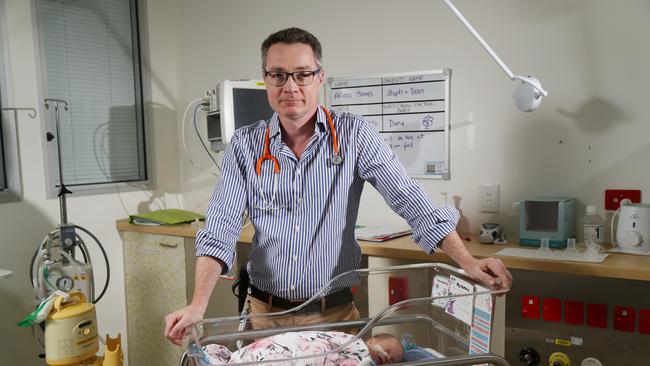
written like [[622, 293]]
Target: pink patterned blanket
[[288, 346]]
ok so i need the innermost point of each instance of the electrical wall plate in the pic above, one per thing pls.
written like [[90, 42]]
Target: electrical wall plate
[[397, 289], [613, 197], [624, 318], [489, 197]]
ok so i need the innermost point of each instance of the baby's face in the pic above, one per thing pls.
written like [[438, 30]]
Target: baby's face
[[385, 350]]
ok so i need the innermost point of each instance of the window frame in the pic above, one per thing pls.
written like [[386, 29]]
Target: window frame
[[8, 133], [50, 149]]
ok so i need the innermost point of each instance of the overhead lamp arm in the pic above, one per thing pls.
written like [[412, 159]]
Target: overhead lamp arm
[[529, 93]]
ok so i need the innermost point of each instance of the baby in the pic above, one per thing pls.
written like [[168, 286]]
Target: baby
[[385, 348], [378, 350]]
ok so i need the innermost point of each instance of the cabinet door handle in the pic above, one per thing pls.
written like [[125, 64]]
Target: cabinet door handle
[[168, 245]]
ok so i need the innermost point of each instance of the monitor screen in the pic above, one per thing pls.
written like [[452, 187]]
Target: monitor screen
[[250, 105], [241, 102]]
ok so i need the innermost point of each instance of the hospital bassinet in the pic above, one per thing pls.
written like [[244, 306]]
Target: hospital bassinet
[[430, 306]]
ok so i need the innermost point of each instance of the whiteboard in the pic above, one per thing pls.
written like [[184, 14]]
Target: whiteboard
[[410, 110]]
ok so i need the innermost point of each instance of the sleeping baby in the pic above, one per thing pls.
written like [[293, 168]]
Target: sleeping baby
[[378, 350]]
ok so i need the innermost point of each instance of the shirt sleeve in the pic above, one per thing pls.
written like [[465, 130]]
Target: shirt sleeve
[[378, 165], [224, 217]]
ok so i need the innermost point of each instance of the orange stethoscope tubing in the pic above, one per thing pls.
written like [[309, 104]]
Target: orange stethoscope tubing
[[336, 159]]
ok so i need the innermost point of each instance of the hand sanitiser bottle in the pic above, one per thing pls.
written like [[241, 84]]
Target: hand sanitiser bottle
[[593, 226]]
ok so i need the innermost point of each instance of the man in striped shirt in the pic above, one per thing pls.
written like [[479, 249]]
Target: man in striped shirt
[[304, 207]]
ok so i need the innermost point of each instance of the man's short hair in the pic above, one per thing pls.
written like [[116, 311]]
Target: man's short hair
[[293, 35]]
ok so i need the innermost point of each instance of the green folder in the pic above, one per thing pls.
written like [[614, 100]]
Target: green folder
[[170, 216]]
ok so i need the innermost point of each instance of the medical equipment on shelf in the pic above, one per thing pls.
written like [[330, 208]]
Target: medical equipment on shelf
[[446, 314], [529, 92], [633, 229], [492, 233], [269, 204], [55, 264], [234, 104], [552, 218]]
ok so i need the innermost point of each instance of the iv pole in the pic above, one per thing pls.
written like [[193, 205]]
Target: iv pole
[[65, 232], [528, 95], [62, 190]]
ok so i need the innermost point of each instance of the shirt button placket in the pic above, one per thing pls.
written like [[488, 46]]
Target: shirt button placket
[[298, 194], [298, 185], [298, 238]]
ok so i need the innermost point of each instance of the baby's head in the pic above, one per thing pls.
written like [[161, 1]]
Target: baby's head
[[385, 348]]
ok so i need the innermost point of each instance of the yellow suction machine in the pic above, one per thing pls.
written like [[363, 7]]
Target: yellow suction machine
[[71, 331]]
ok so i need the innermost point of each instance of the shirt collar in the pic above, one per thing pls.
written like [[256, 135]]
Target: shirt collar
[[321, 124]]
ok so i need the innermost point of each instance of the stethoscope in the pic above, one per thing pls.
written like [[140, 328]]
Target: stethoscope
[[335, 159]]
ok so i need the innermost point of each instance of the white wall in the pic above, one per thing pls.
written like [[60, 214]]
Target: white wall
[[591, 55], [589, 134], [24, 224]]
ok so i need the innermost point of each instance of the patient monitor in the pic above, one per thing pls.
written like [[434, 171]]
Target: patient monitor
[[240, 103]]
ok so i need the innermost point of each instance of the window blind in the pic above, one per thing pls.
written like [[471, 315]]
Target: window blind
[[91, 60], [3, 172]]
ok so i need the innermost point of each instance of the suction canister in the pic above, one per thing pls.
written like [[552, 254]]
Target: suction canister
[[71, 331]]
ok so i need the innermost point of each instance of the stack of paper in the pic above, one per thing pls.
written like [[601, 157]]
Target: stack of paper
[[380, 233], [170, 216]]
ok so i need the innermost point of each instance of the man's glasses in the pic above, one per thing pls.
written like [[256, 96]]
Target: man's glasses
[[279, 78]]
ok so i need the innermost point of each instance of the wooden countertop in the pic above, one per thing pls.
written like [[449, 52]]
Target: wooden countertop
[[623, 266]]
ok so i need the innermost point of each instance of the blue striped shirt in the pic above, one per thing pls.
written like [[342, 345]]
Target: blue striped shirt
[[308, 236]]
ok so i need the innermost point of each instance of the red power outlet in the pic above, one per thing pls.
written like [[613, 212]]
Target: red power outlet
[[530, 307], [574, 312], [644, 321], [613, 197], [624, 318], [597, 315], [552, 310], [397, 290]]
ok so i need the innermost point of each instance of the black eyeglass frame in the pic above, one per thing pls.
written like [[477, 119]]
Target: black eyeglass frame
[[291, 75]]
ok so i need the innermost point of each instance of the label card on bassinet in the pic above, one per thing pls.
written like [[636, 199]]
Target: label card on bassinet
[[458, 307], [461, 307], [440, 288]]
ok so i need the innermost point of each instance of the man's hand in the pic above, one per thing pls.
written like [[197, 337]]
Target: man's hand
[[490, 271], [206, 276], [177, 322]]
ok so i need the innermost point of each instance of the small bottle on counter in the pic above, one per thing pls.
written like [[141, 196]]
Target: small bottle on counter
[[512, 223], [593, 226]]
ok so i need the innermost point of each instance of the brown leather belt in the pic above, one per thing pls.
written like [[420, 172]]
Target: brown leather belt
[[338, 298]]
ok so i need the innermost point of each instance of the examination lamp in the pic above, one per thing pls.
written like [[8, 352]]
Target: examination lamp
[[529, 92]]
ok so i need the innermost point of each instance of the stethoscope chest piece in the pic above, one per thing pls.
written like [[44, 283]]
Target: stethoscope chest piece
[[336, 159]]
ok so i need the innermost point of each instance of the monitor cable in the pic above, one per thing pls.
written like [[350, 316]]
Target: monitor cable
[[196, 103]]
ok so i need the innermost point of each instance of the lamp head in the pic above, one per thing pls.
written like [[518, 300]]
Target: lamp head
[[529, 93]]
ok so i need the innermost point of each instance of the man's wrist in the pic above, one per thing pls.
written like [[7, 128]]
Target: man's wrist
[[466, 261], [198, 306], [454, 247]]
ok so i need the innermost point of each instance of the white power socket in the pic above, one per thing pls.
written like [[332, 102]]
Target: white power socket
[[489, 197]]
